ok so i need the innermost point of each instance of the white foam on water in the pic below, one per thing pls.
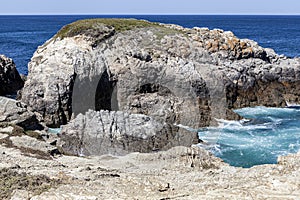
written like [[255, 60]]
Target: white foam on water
[[269, 133], [186, 127]]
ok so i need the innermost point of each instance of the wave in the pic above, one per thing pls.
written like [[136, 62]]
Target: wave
[[261, 111], [292, 105], [266, 134]]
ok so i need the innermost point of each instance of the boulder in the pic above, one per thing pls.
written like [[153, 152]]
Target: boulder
[[10, 79], [15, 112], [30, 143], [173, 74], [118, 133]]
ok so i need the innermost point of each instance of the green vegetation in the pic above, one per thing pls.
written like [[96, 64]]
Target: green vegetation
[[168, 31], [11, 180], [92, 25], [35, 135], [19, 131]]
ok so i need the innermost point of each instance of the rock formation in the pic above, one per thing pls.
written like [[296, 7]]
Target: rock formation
[[119, 133], [179, 173], [10, 80], [173, 74], [16, 113], [142, 78]]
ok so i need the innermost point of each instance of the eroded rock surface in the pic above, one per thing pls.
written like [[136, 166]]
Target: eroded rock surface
[[118, 133], [173, 74], [16, 112], [147, 78], [179, 173]]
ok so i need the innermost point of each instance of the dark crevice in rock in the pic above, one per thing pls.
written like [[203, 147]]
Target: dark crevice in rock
[[141, 57], [205, 113], [199, 88], [31, 124], [104, 98], [10, 79], [231, 95], [102, 37], [70, 94], [62, 118], [153, 88]]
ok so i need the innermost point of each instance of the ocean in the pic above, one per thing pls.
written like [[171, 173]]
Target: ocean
[[270, 133], [260, 138], [21, 35]]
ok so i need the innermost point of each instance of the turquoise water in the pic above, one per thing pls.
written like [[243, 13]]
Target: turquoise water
[[270, 133], [266, 134], [54, 130]]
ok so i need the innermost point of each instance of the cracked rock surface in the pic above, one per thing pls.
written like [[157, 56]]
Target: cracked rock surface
[[173, 74]]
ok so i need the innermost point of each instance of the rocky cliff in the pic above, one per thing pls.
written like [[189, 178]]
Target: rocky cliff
[[173, 74], [119, 133], [10, 80], [142, 78], [14, 112]]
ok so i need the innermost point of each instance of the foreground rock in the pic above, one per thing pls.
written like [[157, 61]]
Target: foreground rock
[[173, 74], [16, 113], [179, 173], [10, 80], [118, 133]]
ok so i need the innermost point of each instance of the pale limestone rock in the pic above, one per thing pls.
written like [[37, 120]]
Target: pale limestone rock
[[119, 133], [16, 112], [8, 129], [20, 195], [173, 74], [2, 135], [31, 143]]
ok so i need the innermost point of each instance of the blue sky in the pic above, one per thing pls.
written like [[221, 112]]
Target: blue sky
[[150, 7]]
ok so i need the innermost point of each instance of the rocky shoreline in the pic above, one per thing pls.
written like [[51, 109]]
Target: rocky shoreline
[[120, 86]]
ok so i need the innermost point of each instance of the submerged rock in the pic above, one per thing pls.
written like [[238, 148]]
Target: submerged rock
[[118, 133], [10, 79]]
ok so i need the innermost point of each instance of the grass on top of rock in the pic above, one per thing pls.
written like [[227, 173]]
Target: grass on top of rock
[[82, 26]]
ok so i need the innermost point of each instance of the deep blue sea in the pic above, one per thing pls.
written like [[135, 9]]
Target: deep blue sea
[[21, 35], [270, 133]]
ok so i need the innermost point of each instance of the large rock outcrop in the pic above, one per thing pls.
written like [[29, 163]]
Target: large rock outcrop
[[173, 74], [10, 80], [16, 113], [119, 133]]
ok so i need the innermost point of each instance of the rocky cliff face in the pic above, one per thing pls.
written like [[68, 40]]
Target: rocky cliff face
[[14, 112], [143, 78], [173, 74], [10, 80], [119, 133]]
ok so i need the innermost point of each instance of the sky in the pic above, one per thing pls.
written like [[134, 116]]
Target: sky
[[285, 7]]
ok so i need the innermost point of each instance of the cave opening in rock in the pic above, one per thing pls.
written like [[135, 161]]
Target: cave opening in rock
[[105, 98]]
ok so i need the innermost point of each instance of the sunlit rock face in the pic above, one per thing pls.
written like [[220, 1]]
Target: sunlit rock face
[[173, 74]]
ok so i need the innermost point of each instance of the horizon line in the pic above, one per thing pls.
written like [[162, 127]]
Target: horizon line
[[102, 14]]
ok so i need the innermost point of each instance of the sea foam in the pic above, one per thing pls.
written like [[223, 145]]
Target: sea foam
[[260, 138]]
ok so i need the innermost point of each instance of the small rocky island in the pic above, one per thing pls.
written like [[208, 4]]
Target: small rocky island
[[122, 90]]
